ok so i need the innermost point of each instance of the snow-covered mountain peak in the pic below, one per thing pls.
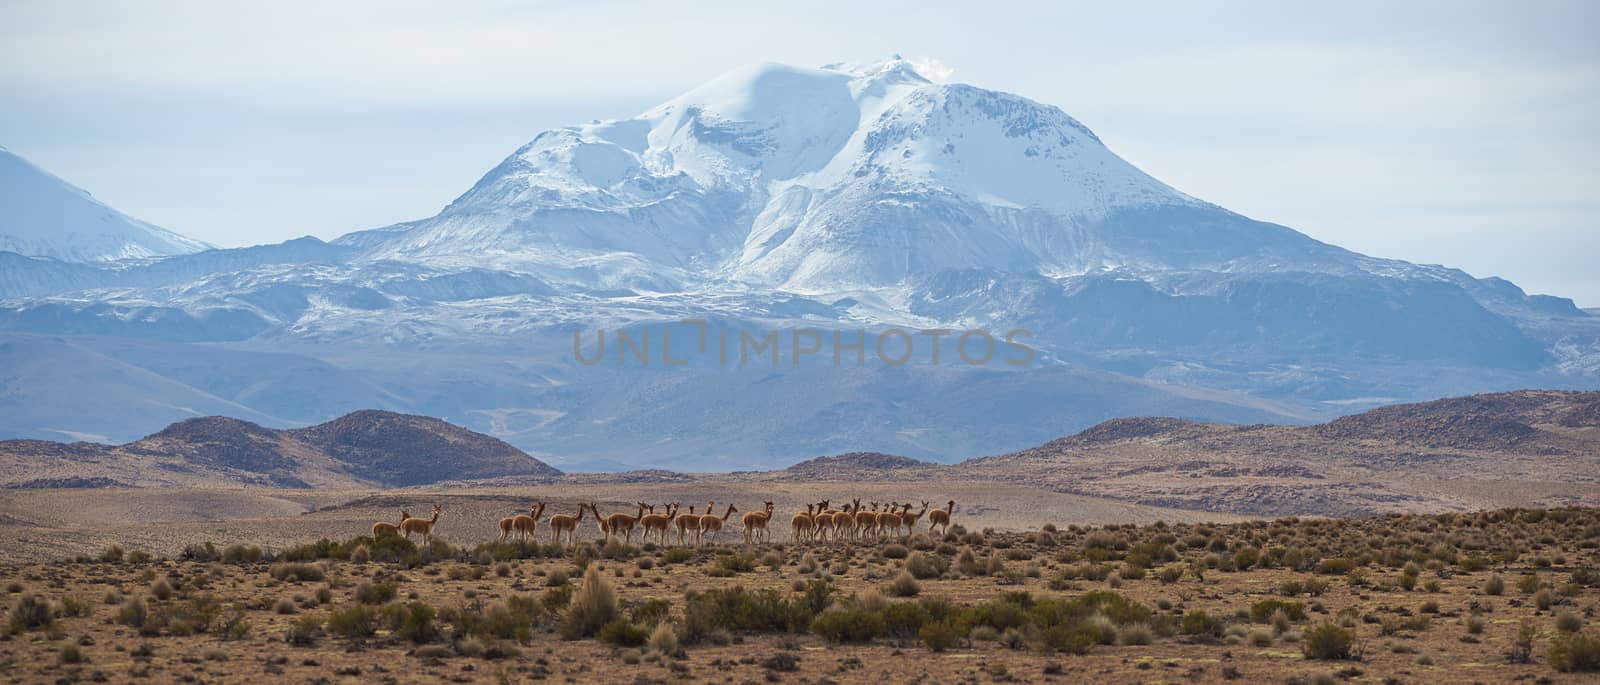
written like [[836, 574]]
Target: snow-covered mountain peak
[[44, 216], [809, 179]]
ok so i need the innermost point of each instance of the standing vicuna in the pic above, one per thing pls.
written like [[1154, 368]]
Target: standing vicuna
[[713, 525], [802, 523], [657, 523], [424, 526], [755, 524], [562, 523], [909, 520], [524, 525], [866, 521], [383, 528], [941, 517], [618, 523], [686, 523], [889, 521]]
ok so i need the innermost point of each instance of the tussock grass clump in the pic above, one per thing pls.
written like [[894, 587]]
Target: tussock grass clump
[[380, 592], [592, 607], [905, 585], [1576, 652], [623, 633], [1327, 641], [926, 566], [737, 609], [297, 573], [664, 639], [1262, 611], [1495, 585], [31, 612], [356, 621], [303, 631]]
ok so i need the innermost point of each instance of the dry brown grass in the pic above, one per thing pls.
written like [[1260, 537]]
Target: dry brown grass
[[990, 605]]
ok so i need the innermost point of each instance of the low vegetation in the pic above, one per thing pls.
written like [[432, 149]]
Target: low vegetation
[[1283, 600]]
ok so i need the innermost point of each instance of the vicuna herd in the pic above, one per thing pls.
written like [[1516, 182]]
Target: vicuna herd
[[820, 522]]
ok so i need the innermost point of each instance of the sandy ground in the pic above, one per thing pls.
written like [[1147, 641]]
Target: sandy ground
[[42, 525]]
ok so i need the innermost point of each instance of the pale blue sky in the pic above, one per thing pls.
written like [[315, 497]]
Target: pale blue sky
[[1442, 132]]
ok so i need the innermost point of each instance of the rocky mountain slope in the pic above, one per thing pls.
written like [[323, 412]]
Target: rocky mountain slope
[[1450, 454], [852, 199], [363, 449]]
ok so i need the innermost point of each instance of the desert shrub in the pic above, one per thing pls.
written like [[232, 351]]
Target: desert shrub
[[31, 612], [111, 554], [939, 635], [1575, 652], [1472, 564], [1072, 639], [1135, 634], [926, 566], [134, 614], [297, 572], [904, 585], [1544, 598], [380, 592], [355, 621], [1245, 558], [1201, 624], [677, 555], [904, 620], [161, 589], [1261, 611], [895, 551], [241, 554], [735, 608], [1569, 622], [1170, 574], [303, 631], [730, 564], [848, 625], [412, 621], [1336, 566], [1495, 585], [1586, 577], [664, 638], [593, 606], [202, 552], [1327, 641], [1529, 583], [623, 633]]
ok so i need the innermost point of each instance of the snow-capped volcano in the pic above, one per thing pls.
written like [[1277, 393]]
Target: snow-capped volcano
[[44, 216], [810, 180], [852, 197]]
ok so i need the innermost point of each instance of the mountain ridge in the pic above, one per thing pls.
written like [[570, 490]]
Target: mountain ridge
[[362, 449], [849, 197]]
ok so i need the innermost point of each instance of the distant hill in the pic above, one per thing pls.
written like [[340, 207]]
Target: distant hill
[[1427, 455], [362, 449]]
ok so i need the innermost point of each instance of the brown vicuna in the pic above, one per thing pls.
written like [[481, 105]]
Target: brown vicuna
[[889, 521], [620, 523], [802, 524], [383, 528], [844, 522], [657, 523], [755, 524], [524, 525], [909, 520], [941, 517], [866, 521], [713, 525], [562, 523], [424, 526], [687, 522]]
